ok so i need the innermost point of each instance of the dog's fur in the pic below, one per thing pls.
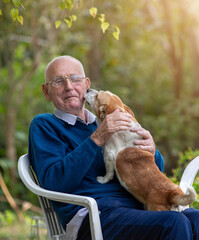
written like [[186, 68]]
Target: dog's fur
[[135, 168]]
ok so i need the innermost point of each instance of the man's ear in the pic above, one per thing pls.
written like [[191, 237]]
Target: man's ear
[[88, 83], [46, 92]]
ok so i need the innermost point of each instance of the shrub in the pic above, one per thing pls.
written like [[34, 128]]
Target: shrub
[[184, 159]]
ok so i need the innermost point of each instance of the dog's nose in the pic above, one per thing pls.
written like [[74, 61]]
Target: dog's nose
[[88, 90]]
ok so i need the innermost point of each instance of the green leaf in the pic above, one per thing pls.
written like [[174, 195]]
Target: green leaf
[[14, 13], [93, 11], [104, 26], [74, 18], [0, 12], [16, 2], [116, 33], [62, 5], [22, 5], [69, 22], [102, 18], [6, 1], [20, 19], [57, 24], [70, 4]]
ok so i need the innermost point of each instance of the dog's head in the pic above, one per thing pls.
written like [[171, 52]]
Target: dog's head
[[104, 103]]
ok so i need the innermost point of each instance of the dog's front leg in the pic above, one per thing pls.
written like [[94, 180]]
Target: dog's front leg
[[109, 159]]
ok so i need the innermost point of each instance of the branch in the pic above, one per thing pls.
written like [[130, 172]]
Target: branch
[[11, 199], [25, 206]]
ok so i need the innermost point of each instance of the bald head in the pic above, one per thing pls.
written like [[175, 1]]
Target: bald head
[[54, 64]]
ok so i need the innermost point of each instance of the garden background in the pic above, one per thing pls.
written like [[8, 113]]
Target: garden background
[[146, 52]]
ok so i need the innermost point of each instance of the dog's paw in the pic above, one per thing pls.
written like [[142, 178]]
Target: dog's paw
[[179, 208], [102, 179]]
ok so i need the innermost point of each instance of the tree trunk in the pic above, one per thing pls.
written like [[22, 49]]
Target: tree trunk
[[94, 55], [17, 85], [10, 140], [176, 56], [194, 46]]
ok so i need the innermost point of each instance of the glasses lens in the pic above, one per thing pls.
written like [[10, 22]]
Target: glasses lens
[[76, 78], [58, 82]]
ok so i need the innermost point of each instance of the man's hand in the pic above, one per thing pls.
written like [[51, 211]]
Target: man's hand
[[147, 142], [114, 122]]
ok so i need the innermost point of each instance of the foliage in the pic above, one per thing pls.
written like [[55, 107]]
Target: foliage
[[184, 159], [65, 16], [8, 217], [14, 7], [138, 67], [10, 228]]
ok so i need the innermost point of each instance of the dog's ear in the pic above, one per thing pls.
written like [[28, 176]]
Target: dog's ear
[[128, 110], [102, 112]]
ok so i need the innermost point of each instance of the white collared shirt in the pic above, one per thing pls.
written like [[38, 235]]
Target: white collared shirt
[[71, 119]]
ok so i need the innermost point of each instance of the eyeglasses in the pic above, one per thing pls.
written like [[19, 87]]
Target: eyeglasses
[[60, 81]]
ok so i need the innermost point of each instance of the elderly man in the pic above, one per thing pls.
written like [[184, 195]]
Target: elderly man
[[66, 154]]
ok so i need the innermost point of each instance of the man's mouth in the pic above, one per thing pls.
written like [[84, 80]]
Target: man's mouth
[[68, 97]]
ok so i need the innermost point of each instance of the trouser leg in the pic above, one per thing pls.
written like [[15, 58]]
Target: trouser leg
[[193, 216], [131, 224]]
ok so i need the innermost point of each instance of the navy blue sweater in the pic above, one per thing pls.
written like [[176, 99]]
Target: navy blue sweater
[[65, 159]]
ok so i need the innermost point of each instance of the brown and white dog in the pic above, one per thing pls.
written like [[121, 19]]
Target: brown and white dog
[[135, 168]]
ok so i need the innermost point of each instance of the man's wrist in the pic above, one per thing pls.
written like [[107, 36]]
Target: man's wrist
[[97, 139]]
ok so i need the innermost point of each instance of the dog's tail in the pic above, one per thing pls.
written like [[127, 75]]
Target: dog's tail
[[184, 199]]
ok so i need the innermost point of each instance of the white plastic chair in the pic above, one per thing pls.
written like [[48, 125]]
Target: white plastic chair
[[54, 227], [55, 230]]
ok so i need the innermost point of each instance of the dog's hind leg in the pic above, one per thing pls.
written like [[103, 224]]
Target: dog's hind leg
[[158, 207], [109, 160]]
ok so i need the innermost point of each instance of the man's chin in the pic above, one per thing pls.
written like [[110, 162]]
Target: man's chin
[[72, 105]]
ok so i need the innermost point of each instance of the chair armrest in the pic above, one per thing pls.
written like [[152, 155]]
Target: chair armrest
[[189, 174], [88, 202]]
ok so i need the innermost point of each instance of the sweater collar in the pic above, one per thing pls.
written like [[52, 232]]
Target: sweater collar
[[72, 119]]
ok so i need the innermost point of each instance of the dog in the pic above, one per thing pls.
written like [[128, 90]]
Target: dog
[[135, 168]]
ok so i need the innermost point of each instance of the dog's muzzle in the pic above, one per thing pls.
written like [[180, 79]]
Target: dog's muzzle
[[90, 96]]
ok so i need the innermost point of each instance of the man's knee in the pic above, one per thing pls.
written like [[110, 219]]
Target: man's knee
[[179, 226], [179, 218]]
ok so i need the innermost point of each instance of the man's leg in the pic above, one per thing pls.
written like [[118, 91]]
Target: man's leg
[[131, 224], [193, 216]]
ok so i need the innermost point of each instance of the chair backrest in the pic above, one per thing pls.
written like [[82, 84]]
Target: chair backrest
[[55, 230]]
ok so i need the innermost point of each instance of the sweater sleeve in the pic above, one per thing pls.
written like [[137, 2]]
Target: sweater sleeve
[[56, 166], [159, 160]]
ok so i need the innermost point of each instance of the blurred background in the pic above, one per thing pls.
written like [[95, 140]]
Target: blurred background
[[153, 68]]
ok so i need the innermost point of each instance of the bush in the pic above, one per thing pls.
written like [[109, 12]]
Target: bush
[[11, 228], [184, 159]]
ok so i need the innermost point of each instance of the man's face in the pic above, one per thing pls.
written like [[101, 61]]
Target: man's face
[[69, 97]]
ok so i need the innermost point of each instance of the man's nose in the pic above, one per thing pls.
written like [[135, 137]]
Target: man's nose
[[68, 84]]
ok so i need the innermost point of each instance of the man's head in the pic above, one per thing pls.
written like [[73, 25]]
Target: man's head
[[66, 84]]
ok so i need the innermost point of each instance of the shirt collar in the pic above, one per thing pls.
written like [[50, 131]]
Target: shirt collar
[[72, 119]]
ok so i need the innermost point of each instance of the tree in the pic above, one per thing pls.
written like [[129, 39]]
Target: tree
[[21, 53], [150, 67]]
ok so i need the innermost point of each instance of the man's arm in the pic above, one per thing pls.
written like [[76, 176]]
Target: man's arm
[[57, 166], [117, 121]]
